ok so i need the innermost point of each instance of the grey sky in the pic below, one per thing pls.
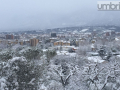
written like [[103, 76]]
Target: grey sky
[[41, 14]]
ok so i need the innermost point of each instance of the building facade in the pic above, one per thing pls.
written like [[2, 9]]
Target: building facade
[[34, 42]]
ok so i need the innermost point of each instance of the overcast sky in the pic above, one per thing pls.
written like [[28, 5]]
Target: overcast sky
[[43, 14]]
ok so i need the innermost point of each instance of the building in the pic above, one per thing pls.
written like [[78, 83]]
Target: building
[[62, 43], [107, 33], [34, 42], [9, 37], [26, 42], [53, 35], [21, 42], [16, 37], [13, 42], [113, 33], [53, 39]]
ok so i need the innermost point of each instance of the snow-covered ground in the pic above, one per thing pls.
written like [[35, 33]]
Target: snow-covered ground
[[96, 59], [66, 53]]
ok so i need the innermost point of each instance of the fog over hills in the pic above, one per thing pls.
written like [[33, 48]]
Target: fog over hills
[[18, 15]]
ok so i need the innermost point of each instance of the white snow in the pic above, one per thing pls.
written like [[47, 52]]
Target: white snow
[[2, 83], [92, 46], [43, 87], [84, 30], [32, 81], [118, 55], [66, 53], [44, 50], [116, 39], [16, 46], [24, 50], [17, 58], [96, 59]]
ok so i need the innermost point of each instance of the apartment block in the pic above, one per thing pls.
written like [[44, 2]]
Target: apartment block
[[9, 37], [34, 42]]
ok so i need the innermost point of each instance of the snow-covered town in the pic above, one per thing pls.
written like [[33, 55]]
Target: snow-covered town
[[59, 45], [78, 59]]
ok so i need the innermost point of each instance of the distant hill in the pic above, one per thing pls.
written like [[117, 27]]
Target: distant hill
[[81, 29]]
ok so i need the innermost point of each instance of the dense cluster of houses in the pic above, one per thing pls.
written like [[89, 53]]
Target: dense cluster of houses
[[69, 40]]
